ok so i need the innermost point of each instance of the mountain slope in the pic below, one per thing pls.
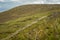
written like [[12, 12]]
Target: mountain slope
[[46, 29], [26, 10], [18, 18]]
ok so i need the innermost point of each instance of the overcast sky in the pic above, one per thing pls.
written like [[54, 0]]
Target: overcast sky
[[7, 4]]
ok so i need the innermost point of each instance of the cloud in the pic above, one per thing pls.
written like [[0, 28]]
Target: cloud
[[46, 1], [1, 0], [52, 1], [34, 1], [0, 6], [38, 2], [15, 0]]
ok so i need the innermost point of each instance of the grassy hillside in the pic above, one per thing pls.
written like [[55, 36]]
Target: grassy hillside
[[26, 10], [18, 18], [46, 29]]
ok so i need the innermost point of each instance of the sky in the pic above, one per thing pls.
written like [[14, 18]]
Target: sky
[[8, 4]]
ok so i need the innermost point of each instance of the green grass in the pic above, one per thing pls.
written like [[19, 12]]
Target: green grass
[[45, 29], [13, 25]]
